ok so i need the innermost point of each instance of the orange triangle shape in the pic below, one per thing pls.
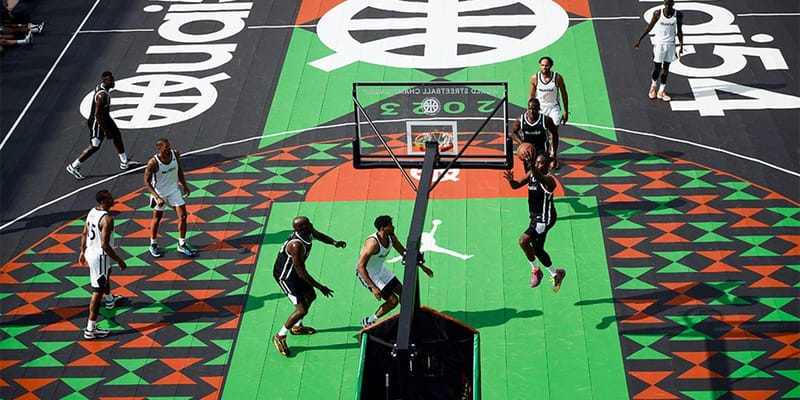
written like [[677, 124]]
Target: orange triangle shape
[[684, 300], [630, 253], [96, 346], [669, 238], [7, 363], [739, 334], [642, 318], [218, 246], [172, 264], [67, 312], [203, 294], [142, 342], [238, 192], [33, 384], [621, 198], [704, 210], [579, 173], [650, 377], [208, 170], [768, 282], [175, 378], [754, 394], [695, 357], [7, 279], [64, 237], [33, 297], [125, 280], [179, 364], [654, 393], [27, 309], [200, 306], [763, 270], [222, 235], [3, 383], [232, 324], [716, 255], [719, 267], [698, 372], [61, 326], [749, 223], [795, 240], [91, 360], [147, 327], [143, 233], [12, 266], [247, 261], [214, 381], [786, 353], [284, 156], [57, 249], [167, 276]]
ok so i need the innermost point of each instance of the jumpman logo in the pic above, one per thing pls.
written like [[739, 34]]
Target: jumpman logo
[[429, 244]]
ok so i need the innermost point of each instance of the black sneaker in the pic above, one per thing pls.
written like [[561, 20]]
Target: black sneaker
[[560, 274], [113, 303], [154, 251], [96, 333], [75, 172], [131, 164]]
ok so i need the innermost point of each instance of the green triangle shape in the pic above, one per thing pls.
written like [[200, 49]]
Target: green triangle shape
[[224, 344], [187, 341], [779, 316], [576, 150], [132, 364], [255, 232], [221, 360], [78, 384], [210, 275], [276, 179], [227, 218], [16, 330], [652, 159], [154, 308], [12, 344], [690, 334], [280, 170], [757, 250], [704, 394], [44, 361], [744, 357], [635, 284], [161, 295], [676, 268], [646, 353], [52, 347], [261, 220], [50, 266], [712, 237], [581, 190], [202, 184], [214, 262], [43, 277], [320, 156], [787, 223], [617, 173], [747, 371], [793, 374], [191, 328], [672, 255], [244, 169], [77, 293], [127, 379], [727, 287], [242, 277], [240, 291]]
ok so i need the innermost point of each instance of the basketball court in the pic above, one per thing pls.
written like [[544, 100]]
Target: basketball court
[[679, 223]]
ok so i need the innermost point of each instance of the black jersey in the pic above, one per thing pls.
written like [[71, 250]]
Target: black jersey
[[535, 133], [106, 111], [540, 202], [284, 267]]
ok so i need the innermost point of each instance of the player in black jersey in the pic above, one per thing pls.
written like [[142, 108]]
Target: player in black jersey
[[537, 129], [541, 187], [292, 276], [102, 126]]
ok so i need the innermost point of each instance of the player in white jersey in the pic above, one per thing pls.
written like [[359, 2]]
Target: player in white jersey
[[97, 243], [373, 273], [161, 178], [668, 24], [546, 85]]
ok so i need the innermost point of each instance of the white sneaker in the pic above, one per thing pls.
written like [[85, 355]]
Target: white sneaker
[[113, 303], [75, 172], [96, 333], [652, 93], [131, 164], [36, 28], [664, 96]]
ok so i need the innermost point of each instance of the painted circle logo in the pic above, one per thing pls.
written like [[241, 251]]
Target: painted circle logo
[[437, 35], [430, 106], [152, 101]]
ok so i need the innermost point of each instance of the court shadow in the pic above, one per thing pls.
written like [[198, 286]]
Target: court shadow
[[487, 318], [295, 350]]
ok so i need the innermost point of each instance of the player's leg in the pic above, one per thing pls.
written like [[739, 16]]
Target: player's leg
[[556, 275], [180, 209], [95, 140], [116, 137], [98, 283], [663, 77], [158, 213], [526, 244]]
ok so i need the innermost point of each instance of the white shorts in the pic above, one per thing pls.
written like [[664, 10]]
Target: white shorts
[[381, 277], [552, 111], [664, 52], [172, 199], [99, 265]]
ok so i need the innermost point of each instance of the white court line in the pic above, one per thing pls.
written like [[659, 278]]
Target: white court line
[[346, 124], [49, 73], [768, 15], [118, 30]]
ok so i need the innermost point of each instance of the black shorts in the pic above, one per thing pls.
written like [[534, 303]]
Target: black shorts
[[388, 289], [295, 289]]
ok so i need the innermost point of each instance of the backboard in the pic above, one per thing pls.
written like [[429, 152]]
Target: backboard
[[468, 119]]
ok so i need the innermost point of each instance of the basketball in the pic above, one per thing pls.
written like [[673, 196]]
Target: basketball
[[525, 151]]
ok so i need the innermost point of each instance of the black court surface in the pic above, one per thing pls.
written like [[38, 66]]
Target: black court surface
[[679, 222]]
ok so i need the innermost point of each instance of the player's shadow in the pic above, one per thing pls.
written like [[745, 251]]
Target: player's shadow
[[579, 210], [297, 349], [496, 317], [42, 221]]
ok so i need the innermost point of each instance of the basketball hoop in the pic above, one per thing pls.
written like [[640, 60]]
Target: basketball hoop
[[445, 140]]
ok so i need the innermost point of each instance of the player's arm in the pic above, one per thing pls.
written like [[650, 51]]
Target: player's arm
[[106, 229], [327, 239], [679, 23], [181, 177], [369, 249], [149, 170], [534, 82], [562, 87], [656, 15], [82, 255], [515, 131], [516, 183], [298, 261]]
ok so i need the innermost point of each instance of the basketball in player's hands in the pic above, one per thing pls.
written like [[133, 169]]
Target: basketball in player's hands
[[525, 151]]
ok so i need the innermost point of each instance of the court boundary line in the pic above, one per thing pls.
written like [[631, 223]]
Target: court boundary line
[[345, 124]]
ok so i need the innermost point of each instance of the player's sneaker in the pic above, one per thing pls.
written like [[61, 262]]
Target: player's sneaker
[[302, 330], [36, 28], [113, 303], [155, 251], [560, 274], [365, 322], [536, 277], [652, 93], [131, 164], [75, 172], [280, 344], [664, 96], [187, 250], [96, 333]]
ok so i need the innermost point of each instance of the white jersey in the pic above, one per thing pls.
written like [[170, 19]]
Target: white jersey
[[165, 180], [94, 244], [547, 93], [376, 268], [666, 29]]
